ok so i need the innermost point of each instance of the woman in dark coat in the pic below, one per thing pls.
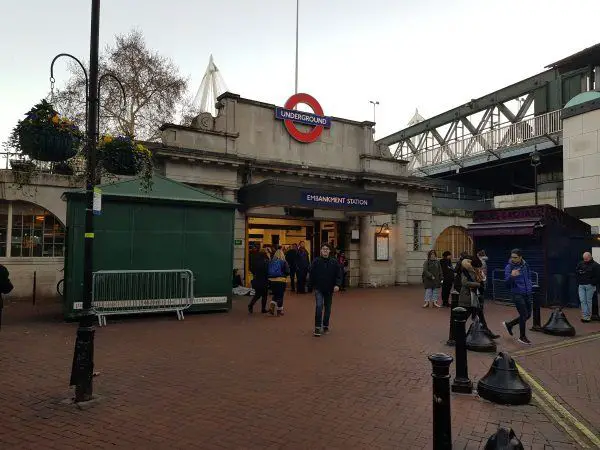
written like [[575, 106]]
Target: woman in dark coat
[[432, 279], [260, 281]]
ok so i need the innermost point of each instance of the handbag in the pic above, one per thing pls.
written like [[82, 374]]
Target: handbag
[[474, 299]]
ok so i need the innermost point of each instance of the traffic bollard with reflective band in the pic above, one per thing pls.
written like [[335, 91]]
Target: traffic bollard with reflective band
[[442, 427], [537, 319], [462, 383]]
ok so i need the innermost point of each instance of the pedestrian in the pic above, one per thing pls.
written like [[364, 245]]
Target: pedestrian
[[518, 279], [481, 256], [260, 282], [468, 286], [432, 279], [291, 256], [278, 270], [5, 287], [447, 277], [326, 278], [302, 266], [343, 262], [588, 279], [477, 310]]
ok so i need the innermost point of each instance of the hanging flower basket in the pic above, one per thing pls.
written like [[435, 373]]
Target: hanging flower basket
[[121, 155], [45, 136]]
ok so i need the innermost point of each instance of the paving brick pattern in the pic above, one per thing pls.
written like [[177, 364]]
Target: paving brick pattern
[[234, 381]]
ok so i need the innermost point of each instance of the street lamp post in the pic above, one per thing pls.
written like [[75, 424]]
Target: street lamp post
[[374, 103], [535, 162]]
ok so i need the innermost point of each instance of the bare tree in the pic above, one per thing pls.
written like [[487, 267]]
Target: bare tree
[[153, 86]]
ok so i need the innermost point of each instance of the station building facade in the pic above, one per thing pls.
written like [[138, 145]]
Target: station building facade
[[314, 179]]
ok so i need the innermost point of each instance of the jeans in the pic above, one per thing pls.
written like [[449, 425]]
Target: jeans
[[278, 288], [322, 300], [523, 305], [302, 274], [431, 294], [293, 277], [586, 294]]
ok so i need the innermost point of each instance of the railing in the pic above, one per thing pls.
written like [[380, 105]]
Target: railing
[[489, 141], [499, 289], [141, 291]]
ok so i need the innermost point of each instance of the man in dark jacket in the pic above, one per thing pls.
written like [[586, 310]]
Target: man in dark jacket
[[588, 279], [447, 277], [326, 278], [517, 277], [302, 267], [291, 256]]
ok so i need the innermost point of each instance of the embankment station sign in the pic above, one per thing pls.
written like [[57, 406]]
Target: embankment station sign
[[342, 201], [291, 117]]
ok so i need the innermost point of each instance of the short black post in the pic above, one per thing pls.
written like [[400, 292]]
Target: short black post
[[442, 426], [595, 316], [537, 325], [1, 313], [34, 286], [461, 383], [451, 340]]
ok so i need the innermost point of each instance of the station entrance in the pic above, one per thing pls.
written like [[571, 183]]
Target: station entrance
[[274, 233]]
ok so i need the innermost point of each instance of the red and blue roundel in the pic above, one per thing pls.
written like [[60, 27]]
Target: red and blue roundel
[[291, 116]]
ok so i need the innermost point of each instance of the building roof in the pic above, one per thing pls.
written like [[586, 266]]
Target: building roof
[[163, 189], [583, 98], [577, 60]]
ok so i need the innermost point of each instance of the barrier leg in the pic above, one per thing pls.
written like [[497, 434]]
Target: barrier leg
[[442, 427], [537, 325], [595, 316]]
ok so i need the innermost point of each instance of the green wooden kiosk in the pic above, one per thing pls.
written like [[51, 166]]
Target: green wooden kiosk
[[173, 226]]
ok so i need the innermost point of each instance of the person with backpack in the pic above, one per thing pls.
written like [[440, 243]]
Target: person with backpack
[[326, 278], [5, 287], [278, 271]]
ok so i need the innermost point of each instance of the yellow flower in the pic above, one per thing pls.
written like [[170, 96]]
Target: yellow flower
[[55, 119], [107, 139]]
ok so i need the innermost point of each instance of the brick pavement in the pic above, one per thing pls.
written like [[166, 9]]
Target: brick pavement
[[234, 381]]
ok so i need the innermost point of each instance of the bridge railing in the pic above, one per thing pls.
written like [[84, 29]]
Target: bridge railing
[[489, 141]]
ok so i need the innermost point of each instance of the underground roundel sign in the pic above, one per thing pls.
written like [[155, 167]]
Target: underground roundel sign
[[291, 117]]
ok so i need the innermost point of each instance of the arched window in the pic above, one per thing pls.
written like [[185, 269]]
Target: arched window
[[27, 230], [454, 239]]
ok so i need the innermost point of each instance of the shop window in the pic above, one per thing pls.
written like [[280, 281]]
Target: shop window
[[417, 235], [35, 232], [454, 239]]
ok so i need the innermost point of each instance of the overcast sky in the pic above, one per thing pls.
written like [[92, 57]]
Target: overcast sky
[[430, 54]]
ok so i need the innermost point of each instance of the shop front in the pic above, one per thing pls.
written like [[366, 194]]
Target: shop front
[[295, 184]]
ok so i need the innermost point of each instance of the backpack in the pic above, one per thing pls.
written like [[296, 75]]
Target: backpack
[[275, 269]]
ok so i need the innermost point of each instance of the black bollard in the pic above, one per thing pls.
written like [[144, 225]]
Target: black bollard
[[595, 317], [442, 427], [461, 383], [558, 324], [504, 439], [503, 383], [537, 319], [451, 340]]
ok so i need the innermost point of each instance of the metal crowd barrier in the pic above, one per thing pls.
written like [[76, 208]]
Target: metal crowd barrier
[[500, 291], [141, 291]]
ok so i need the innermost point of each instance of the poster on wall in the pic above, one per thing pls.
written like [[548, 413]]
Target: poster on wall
[[382, 247]]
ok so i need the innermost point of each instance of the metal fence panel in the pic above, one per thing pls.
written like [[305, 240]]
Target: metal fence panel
[[499, 289], [141, 291]]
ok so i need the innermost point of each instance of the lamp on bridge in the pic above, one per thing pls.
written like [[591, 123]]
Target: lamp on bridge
[[536, 160]]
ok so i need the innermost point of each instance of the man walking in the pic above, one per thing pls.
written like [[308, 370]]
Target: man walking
[[518, 280], [326, 278], [588, 278], [291, 256], [302, 267]]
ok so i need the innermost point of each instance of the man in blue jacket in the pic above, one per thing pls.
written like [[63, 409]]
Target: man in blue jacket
[[517, 277], [326, 278]]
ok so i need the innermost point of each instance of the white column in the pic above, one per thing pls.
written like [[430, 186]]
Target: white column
[[366, 252], [400, 253]]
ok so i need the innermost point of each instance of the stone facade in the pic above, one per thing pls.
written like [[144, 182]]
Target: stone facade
[[246, 145]]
